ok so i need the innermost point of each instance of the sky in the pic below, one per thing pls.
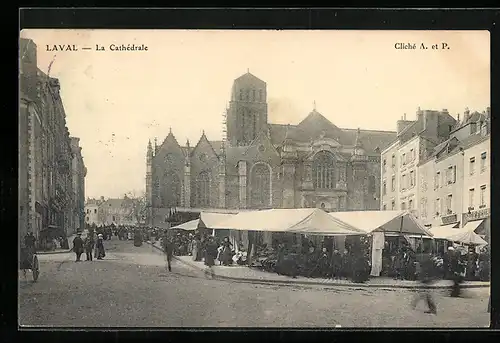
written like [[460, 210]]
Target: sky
[[115, 101]]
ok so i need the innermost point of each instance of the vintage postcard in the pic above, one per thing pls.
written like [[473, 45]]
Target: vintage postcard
[[185, 178]]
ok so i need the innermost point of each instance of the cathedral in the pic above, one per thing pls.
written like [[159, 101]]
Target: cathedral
[[263, 165]]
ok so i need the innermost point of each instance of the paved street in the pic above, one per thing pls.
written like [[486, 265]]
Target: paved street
[[131, 288]]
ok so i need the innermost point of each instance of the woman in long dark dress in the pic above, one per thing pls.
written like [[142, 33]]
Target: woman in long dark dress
[[101, 253], [227, 253], [210, 255]]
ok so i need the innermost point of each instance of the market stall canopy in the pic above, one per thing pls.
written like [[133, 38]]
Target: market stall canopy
[[444, 231], [188, 226], [387, 221], [300, 220], [473, 225], [210, 220], [467, 237]]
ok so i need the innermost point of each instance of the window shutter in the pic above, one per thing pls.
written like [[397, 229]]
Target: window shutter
[[454, 174]]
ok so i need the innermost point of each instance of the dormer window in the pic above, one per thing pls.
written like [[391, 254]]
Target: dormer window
[[473, 128]]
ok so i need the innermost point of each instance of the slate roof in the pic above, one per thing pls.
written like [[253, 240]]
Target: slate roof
[[312, 127], [370, 139], [315, 124], [473, 140], [249, 76]]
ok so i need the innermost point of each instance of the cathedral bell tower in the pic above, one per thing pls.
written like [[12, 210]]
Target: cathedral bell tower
[[247, 113]]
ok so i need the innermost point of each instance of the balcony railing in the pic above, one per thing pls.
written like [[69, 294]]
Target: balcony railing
[[477, 215], [449, 219]]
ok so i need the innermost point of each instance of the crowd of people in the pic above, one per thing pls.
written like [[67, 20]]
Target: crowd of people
[[92, 245], [315, 260]]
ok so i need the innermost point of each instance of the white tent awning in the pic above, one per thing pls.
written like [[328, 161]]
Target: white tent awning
[[467, 237], [211, 220], [472, 226], [189, 226], [444, 231], [387, 221], [299, 220]]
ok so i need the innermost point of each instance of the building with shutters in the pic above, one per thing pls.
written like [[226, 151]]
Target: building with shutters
[[400, 161], [263, 165], [452, 171]]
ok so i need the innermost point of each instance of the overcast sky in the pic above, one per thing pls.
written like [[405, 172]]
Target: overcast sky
[[115, 101]]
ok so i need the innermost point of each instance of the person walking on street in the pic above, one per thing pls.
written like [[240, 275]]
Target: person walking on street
[[456, 270], [169, 251], [426, 277], [210, 255], [89, 246], [101, 253], [78, 246]]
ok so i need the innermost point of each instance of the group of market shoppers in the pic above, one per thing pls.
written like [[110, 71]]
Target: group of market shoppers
[[88, 245]]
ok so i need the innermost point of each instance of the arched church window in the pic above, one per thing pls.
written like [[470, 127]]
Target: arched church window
[[260, 186], [171, 192], [372, 184], [203, 189], [323, 170], [253, 94], [248, 94], [241, 94]]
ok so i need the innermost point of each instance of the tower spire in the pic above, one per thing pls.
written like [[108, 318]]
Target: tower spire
[[314, 105]]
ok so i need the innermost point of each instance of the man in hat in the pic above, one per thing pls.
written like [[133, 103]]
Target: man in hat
[[169, 250], [455, 271], [78, 246]]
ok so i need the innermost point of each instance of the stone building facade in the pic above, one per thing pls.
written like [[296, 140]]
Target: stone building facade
[[115, 212], [46, 196], [452, 173], [400, 160], [263, 165], [79, 172]]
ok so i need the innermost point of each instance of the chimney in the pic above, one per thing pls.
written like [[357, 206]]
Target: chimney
[[404, 116], [419, 114], [458, 117]]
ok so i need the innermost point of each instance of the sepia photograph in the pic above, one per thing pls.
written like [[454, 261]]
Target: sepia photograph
[[254, 178]]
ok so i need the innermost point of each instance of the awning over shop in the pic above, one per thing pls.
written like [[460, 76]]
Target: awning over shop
[[188, 226], [467, 237], [472, 226], [210, 220], [387, 221], [395, 234], [301, 220], [444, 231]]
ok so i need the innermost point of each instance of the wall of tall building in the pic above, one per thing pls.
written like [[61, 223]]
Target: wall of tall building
[[452, 170], [45, 185]]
